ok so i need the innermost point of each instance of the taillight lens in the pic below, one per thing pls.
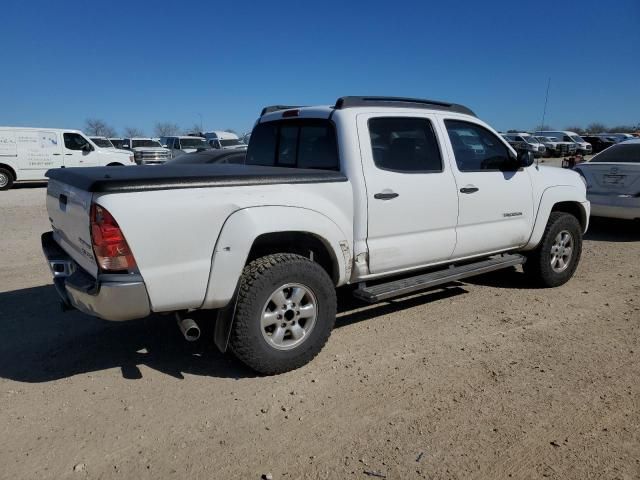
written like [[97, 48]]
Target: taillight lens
[[109, 245]]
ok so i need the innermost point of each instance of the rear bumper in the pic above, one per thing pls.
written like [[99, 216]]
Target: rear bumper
[[111, 297], [613, 206]]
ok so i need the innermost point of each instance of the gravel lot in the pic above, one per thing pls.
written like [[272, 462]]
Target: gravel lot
[[485, 379]]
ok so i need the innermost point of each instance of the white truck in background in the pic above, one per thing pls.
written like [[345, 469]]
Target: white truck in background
[[389, 195], [223, 140], [27, 153]]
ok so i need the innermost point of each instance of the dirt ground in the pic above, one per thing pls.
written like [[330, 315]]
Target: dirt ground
[[486, 379]]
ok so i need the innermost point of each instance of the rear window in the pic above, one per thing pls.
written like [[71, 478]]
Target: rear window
[[620, 153], [294, 143]]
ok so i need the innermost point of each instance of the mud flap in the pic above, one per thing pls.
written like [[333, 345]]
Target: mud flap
[[224, 322]]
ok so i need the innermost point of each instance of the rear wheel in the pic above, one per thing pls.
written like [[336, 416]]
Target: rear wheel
[[6, 179], [555, 260], [286, 309]]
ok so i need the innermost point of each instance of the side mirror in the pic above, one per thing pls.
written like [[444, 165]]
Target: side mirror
[[525, 158], [164, 146], [87, 148]]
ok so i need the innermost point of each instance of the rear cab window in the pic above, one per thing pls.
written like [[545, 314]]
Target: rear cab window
[[296, 143]]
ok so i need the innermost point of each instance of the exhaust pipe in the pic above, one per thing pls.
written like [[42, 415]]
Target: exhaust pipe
[[189, 328]]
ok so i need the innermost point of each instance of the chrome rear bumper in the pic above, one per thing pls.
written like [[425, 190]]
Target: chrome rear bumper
[[110, 296]]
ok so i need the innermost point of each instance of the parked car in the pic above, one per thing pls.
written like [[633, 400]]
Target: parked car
[[613, 181], [210, 156], [146, 151], [616, 137], [117, 142], [582, 147], [401, 203], [27, 153], [556, 148], [598, 143], [178, 146], [525, 141], [218, 139]]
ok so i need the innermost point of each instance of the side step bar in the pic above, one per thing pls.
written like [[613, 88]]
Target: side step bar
[[404, 286]]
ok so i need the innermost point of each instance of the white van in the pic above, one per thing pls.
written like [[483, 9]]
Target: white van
[[27, 153], [223, 140]]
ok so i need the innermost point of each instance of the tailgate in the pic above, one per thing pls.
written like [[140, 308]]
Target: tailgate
[[615, 178], [69, 209]]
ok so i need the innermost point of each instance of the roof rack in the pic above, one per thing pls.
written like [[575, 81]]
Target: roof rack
[[349, 102], [275, 108]]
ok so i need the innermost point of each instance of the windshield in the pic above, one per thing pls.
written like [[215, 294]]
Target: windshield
[[230, 143], [620, 153], [531, 140], [193, 143], [144, 143], [102, 142], [576, 138]]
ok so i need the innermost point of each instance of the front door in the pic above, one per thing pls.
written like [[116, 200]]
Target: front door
[[78, 152], [495, 195], [411, 193]]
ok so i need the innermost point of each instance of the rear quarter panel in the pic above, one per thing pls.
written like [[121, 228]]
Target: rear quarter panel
[[173, 233]]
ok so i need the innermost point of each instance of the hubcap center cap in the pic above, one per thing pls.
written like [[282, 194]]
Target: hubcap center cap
[[289, 315]]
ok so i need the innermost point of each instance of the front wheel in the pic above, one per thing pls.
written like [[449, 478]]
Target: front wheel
[[556, 258], [285, 311]]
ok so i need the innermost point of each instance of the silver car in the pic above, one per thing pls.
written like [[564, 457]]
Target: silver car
[[613, 181]]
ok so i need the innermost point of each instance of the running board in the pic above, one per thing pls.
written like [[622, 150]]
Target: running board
[[404, 286]]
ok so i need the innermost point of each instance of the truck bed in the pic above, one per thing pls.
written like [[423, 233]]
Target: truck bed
[[167, 177]]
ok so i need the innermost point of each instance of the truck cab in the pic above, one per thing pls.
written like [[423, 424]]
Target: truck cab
[[223, 140]]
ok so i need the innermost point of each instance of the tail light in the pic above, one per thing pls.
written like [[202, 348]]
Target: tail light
[[109, 245]]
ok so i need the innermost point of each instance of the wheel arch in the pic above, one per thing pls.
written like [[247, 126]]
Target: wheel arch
[[257, 231], [562, 198]]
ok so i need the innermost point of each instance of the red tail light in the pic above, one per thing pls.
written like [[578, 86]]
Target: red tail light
[[109, 245]]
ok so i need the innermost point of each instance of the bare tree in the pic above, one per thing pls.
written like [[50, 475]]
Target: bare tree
[[596, 127], [543, 128], [195, 129], [624, 128], [166, 129], [98, 128], [130, 132], [576, 129]]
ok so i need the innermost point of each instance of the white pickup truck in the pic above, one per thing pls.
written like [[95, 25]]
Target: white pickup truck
[[388, 195]]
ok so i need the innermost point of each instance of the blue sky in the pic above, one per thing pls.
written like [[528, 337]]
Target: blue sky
[[135, 64]]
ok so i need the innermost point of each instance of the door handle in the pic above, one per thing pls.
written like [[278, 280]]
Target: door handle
[[68, 153], [56, 154], [469, 189], [385, 195]]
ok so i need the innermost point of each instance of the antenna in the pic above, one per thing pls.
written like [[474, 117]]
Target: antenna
[[546, 99]]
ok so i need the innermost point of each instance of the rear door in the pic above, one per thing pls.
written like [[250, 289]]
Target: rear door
[[495, 198], [411, 193], [38, 151]]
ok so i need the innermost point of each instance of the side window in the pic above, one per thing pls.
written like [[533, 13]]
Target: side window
[[566, 138], [303, 143], [404, 145], [476, 148], [74, 141]]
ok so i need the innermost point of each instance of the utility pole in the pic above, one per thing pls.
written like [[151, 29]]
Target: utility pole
[[200, 115]]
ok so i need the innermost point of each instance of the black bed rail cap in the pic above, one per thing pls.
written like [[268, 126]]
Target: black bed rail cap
[[275, 108], [349, 102]]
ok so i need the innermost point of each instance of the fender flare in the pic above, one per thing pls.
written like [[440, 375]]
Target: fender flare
[[242, 228], [551, 197]]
